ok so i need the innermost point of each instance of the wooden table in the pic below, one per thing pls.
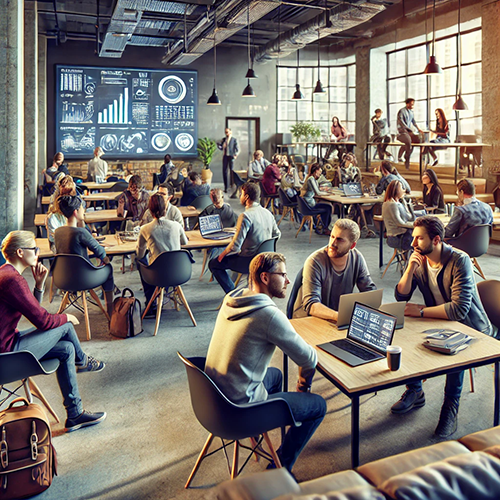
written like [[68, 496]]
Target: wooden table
[[417, 363], [341, 201], [96, 185]]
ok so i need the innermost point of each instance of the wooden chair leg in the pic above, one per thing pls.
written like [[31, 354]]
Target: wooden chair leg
[[254, 445], [234, 469], [272, 450], [153, 297], [205, 258], [64, 303], [186, 305], [301, 224], [38, 393], [285, 211], [201, 456], [311, 224], [99, 303], [86, 314], [471, 375], [158, 311], [478, 267], [389, 263], [51, 290], [238, 279]]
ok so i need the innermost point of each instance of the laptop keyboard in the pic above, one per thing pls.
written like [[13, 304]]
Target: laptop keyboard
[[354, 349]]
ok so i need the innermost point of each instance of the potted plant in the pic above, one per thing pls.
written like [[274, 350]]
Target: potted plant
[[306, 131], [206, 149]]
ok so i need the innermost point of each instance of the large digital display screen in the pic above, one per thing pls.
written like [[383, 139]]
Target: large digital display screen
[[130, 113]]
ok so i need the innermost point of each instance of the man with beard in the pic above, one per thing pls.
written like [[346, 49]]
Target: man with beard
[[445, 278], [249, 327], [331, 272]]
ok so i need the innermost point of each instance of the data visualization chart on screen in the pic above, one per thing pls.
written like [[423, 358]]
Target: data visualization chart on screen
[[128, 112]]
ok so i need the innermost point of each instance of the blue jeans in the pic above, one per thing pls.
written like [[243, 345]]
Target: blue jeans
[[61, 343], [232, 262], [307, 408], [148, 289], [452, 389], [324, 210]]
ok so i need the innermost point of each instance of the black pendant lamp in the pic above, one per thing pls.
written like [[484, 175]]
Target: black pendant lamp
[[460, 104], [297, 95], [319, 86], [214, 100], [248, 90], [433, 67]]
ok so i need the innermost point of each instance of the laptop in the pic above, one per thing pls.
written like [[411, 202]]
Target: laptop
[[371, 298], [353, 189], [396, 309], [211, 228], [370, 333]]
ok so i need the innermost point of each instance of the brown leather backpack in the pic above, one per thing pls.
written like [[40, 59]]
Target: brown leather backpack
[[126, 317], [27, 457]]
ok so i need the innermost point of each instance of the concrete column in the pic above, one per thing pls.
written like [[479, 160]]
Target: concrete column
[[30, 111], [12, 113], [362, 103], [490, 14], [42, 104]]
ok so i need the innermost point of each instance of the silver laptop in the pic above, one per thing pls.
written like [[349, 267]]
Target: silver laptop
[[396, 309], [370, 333], [372, 298], [353, 189], [211, 228]]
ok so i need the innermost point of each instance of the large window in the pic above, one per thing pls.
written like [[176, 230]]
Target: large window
[[405, 79], [339, 99]]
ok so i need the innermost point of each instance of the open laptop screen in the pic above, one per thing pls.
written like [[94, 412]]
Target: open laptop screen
[[210, 224], [353, 189], [371, 327]]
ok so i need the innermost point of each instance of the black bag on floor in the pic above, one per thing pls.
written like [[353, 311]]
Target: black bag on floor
[[126, 319]]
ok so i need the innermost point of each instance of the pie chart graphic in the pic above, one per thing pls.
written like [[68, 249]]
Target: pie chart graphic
[[184, 141], [172, 89], [160, 141]]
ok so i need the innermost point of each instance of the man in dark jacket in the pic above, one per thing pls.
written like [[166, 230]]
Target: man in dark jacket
[[445, 278]]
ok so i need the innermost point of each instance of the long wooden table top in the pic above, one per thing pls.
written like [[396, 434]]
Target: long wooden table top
[[416, 361], [114, 246], [347, 200], [97, 185]]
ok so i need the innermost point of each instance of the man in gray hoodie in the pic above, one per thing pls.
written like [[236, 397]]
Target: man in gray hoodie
[[249, 327]]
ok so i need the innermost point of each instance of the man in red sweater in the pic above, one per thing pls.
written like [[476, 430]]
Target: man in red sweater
[[54, 335]]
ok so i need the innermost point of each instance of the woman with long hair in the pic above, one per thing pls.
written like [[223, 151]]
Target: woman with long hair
[[432, 192], [442, 132]]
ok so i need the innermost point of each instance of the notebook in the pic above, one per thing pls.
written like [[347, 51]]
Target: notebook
[[353, 189], [211, 228], [370, 333], [371, 298]]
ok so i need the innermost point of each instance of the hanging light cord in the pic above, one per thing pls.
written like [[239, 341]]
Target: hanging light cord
[[459, 79], [433, 27], [248, 29], [215, 51]]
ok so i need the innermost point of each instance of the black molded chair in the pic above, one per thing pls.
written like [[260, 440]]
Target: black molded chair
[[169, 269], [489, 291], [226, 420], [307, 216], [267, 198], [473, 241], [75, 276], [201, 202], [288, 206], [21, 366]]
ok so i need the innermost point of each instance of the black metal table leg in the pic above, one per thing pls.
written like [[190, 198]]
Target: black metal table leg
[[354, 432], [285, 389], [381, 245], [496, 411]]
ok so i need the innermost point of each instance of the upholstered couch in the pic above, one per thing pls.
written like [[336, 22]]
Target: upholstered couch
[[467, 469]]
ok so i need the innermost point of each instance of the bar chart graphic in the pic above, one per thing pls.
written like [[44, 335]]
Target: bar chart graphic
[[117, 111]]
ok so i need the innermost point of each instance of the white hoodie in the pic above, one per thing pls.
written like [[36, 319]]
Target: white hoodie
[[249, 327]]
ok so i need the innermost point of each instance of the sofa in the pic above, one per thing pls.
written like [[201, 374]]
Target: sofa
[[467, 469]]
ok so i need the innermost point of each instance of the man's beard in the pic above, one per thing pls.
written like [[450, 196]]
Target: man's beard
[[277, 291], [424, 251], [337, 253]]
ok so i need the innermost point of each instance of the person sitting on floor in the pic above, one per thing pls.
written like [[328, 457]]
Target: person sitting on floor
[[333, 271], [158, 236], [171, 212], [227, 215], [248, 329], [254, 226], [445, 277], [469, 211], [133, 202], [390, 173], [74, 239], [257, 167], [193, 188], [54, 335]]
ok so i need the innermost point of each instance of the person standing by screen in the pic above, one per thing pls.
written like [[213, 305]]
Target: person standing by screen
[[97, 168], [230, 150]]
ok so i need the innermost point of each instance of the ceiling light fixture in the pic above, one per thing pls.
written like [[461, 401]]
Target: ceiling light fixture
[[319, 86], [432, 67], [248, 90], [214, 100], [460, 104], [297, 95]]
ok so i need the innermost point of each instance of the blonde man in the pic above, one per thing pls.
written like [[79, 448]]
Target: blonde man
[[97, 168]]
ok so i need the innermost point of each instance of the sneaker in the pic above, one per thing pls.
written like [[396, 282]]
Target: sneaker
[[434, 163], [400, 160], [93, 365], [448, 419], [84, 420], [409, 400]]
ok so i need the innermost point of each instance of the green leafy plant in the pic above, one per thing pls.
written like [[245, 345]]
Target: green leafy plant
[[206, 149], [306, 131]]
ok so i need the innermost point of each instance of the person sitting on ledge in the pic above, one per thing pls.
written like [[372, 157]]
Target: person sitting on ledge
[[331, 272], [53, 336], [248, 329], [445, 278]]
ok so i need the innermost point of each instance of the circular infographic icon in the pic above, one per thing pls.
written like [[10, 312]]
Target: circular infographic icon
[[184, 141], [160, 141], [108, 142], [172, 89]]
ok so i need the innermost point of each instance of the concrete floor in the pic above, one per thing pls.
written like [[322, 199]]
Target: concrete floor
[[150, 440]]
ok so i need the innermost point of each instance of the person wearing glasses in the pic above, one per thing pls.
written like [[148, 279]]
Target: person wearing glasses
[[333, 271], [248, 329], [54, 335]]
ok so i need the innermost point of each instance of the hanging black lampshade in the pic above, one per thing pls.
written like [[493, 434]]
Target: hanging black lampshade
[[460, 104], [248, 91], [251, 73], [432, 67], [297, 95], [214, 100], [319, 88]]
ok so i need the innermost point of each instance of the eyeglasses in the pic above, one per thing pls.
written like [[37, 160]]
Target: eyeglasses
[[34, 249], [283, 275]]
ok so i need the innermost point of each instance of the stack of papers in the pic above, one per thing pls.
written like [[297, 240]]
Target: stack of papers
[[446, 341]]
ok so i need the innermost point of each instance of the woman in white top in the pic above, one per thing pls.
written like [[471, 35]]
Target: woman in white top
[[398, 217], [257, 167]]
